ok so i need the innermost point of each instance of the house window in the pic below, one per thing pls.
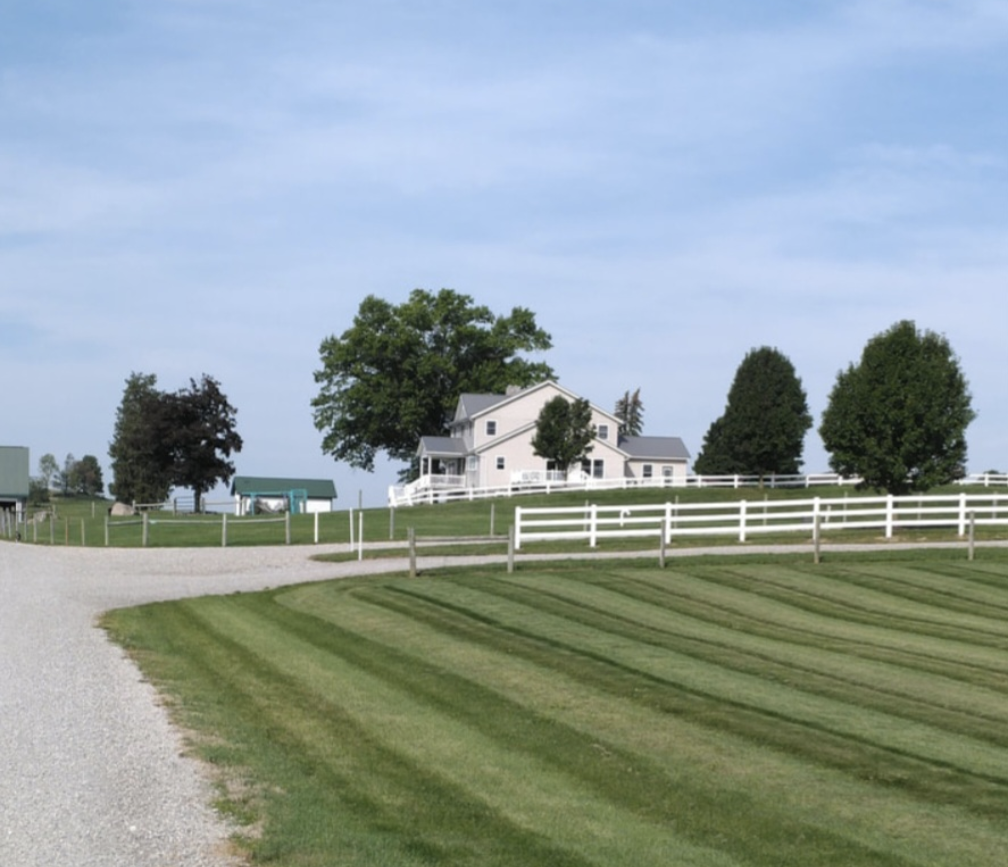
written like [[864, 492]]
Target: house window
[[500, 462], [648, 471], [667, 472], [491, 428], [595, 469], [603, 431]]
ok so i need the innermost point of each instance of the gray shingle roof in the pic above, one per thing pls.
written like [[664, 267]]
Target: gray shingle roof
[[472, 404], [442, 446], [655, 448]]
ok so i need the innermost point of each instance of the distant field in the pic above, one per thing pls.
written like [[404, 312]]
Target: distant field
[[720, 712]]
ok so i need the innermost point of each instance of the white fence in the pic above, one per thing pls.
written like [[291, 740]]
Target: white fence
[[742, 519], [439, 489]]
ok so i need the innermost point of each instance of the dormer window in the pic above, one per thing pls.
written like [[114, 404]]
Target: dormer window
[[491, 428], [603, 431]]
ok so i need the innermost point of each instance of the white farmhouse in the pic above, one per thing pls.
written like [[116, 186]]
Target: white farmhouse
[[490, 445]]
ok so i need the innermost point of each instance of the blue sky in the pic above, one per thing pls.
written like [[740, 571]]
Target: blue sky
[[192, 186]]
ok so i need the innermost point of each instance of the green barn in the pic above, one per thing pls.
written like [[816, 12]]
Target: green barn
[[14, 481]]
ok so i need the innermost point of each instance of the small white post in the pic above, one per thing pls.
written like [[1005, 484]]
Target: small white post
[[517, 527], [351, 529], [316, 527], [360, 534], [962, 515], [742, 521], [889, 516], [593, 531]]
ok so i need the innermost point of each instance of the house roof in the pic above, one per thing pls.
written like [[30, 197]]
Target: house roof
[[471, 405], [655, 448], [442, 447], [317, 489], [474, 404]]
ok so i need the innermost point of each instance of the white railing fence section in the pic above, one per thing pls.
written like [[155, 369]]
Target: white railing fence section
[[428, 490], [742, 519]]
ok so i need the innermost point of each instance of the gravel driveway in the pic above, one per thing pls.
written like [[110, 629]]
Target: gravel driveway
[[90, 769]]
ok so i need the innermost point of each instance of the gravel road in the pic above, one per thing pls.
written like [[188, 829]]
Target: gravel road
[[91, 772]]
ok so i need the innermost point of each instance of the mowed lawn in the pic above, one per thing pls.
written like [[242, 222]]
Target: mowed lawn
[[718, 712]]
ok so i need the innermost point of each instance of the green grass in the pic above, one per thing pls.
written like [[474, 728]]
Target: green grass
[[720, 712]]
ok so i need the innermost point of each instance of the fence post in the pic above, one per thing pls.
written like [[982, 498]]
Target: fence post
[[816, 534], [106, 531], [411, 534], [493, 515], [742, 520], [223, 529], [661, 547], [287, 528], [316, 527], [593, 527], [972, 534], [391, 523], [360, 534], [144, 533], [889, 516], [962, 515], [351, 530], [511, 550], [517, 527]]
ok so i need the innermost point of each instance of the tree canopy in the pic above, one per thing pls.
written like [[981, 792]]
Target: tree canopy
[[564, 431], [164, 440], [898, 417], [762, 430], [396, 374], [140, 450], [630, 412]]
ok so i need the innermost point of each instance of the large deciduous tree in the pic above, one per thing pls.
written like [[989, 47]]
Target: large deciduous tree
[[203, 437], [164, 440], [762, 430], [898, 417], [396, 374], [564, 432], [86, 477]]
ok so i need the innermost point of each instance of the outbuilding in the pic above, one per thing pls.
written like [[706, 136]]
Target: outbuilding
[[259, 494], [14, 484]]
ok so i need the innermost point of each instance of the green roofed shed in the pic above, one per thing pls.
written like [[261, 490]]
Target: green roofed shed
[[272, 494]]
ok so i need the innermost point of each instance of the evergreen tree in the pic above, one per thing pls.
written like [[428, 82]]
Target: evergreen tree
[[762, 430], [630, 412]]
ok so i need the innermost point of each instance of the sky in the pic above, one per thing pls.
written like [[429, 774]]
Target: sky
[[214, 186]]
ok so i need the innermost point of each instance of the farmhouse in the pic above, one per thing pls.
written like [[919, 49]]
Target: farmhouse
[[255, 494], [14, 480], [490, 445]]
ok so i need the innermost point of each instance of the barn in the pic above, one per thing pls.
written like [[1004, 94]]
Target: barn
[[262, 494], [14, 483]]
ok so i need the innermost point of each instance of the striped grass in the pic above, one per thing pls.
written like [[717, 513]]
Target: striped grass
[[716, 713]]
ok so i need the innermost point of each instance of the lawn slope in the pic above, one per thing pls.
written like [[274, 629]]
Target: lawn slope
[[714, 713]]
